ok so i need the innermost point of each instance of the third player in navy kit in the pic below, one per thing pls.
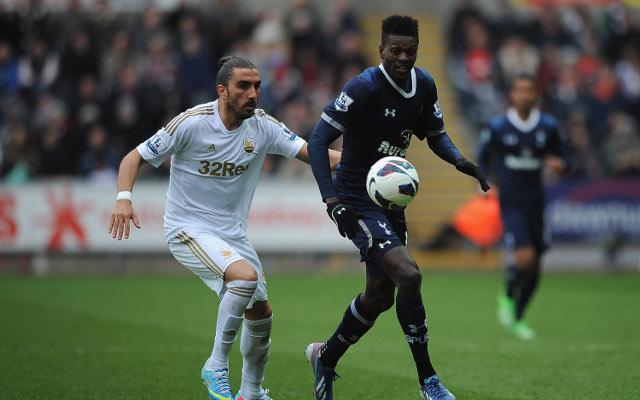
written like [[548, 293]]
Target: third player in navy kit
[[377, 113], [519, 143]]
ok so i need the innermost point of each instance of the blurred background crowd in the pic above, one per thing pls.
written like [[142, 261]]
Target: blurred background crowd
[[80, 87], [586, 60]]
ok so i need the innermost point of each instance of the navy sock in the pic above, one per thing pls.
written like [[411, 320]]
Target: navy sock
[[529, 284], [413, 321], [513, 281], [355, 323]]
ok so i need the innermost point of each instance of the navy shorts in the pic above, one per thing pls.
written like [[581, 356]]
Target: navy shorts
[[524, 227], [380, 231]]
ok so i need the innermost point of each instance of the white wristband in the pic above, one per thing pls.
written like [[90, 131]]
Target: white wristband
[[124, 195]]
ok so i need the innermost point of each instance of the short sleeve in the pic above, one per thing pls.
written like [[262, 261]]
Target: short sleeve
[[431, 120], [346, 105], [282, 140], [162, 145]]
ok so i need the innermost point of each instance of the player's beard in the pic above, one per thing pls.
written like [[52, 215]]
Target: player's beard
[[243, 111]]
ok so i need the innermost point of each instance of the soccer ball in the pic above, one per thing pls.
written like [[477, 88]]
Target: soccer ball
[[392, 182]]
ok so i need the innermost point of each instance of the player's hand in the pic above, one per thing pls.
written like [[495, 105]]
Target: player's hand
[[344, 217], [556, 164], [121, 218], [468, 168]]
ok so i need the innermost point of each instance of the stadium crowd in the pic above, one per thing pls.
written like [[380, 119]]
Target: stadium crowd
[[79, 88], [587, 64]]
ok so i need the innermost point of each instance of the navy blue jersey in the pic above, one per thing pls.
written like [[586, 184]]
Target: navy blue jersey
[[377, 119], [515, 150]]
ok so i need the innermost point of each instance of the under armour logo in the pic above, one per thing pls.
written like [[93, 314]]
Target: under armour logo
[[414, 328], [340, 210], [381, 245], [390, 112]]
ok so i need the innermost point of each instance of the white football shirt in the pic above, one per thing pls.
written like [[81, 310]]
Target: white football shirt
[[214, 171]]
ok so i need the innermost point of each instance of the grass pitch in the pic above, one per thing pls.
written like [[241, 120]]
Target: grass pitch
[[146, 338]]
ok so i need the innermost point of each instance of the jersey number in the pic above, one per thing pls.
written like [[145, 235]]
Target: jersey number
[[225, 168]]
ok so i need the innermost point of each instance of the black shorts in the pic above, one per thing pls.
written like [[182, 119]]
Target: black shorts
[[524, 226], [380, 231]]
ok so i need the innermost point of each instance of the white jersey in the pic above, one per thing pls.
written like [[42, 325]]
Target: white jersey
[[214, 171]]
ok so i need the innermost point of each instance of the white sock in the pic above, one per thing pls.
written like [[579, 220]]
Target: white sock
[[254, 346], [230, 312]]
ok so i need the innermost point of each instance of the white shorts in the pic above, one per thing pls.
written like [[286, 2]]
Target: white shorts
[[209, 256]]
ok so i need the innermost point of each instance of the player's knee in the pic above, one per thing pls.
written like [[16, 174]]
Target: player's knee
[[240, 271], [384, 303], [260, 310], [410, 279], [527, 258]]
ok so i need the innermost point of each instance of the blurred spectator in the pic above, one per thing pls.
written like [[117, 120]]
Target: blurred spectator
[[586, 160], [195, 67], [118, 55], [517, 57], [78, 59], [126, 110], [303, 30], [622, 146], [627, 70], [589, 77], [10, 30], [9, 82], [39, 68], [99, 162], [160, 64], [18, 157]]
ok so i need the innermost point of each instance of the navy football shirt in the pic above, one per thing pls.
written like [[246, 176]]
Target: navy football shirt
[[377, 118], [516, 150]]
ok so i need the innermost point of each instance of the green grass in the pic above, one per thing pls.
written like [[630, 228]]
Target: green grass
[[146, 338]]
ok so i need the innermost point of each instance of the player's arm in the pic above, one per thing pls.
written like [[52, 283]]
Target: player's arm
[[431, 126], [485, 151], [154, 151], [444, 148], [559, 158], [319, 157], [123, 213], [350, 104], [342, 215], [334, 156]]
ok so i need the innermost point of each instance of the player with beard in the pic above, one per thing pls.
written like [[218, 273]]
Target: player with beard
[[217, 151]]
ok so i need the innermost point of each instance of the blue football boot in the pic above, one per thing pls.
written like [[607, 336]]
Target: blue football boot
[[433, 389], [217, 383], [324, 377]]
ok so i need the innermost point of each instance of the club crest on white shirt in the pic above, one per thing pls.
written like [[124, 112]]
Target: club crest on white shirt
[[249, 145]]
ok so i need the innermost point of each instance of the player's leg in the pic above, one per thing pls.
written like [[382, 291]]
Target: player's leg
[[528, 266], [357, 320], [528, 256], [255, 340], [255, 343], [234, 280], [359, 317], [241, 281], [516, 238], [404, 272], [507, 296], [362, 312]]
